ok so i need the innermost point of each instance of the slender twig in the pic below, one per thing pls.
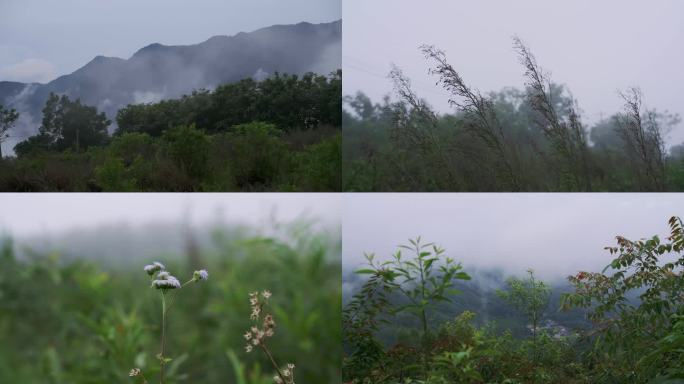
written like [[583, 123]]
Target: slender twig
[[275, 365]]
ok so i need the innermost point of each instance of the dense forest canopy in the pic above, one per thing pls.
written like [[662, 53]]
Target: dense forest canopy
[[531, 139], [281, 133]]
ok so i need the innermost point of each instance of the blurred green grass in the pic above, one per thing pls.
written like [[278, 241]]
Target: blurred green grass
[[72, 321]]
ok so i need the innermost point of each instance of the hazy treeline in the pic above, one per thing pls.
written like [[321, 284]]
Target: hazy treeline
[[532, 139], [478, 295], [282, 133], [395, 329], [67, 319]]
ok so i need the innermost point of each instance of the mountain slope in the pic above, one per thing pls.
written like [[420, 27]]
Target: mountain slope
[[158, 72]]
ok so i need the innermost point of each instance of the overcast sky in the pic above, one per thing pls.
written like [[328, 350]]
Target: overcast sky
[[556, 234], [594, 47], [40, 40], [26, 214]]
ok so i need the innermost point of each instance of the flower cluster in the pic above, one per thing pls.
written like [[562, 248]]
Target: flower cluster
[[288, 374], [263, 328], [164, 280], [256, 336]]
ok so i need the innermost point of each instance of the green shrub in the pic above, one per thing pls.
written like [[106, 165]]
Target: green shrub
[[113, 176], [188, 147], [258, 155]]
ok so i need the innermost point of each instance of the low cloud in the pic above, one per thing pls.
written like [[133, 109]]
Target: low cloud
[[556, 234], [329, 60], [260, 75], [146, 97], [29, 71]]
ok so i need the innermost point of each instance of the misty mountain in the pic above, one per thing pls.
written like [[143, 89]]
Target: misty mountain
[[158, 72], [477, 295]]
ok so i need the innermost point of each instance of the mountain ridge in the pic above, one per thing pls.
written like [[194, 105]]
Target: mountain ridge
[[157, 71]]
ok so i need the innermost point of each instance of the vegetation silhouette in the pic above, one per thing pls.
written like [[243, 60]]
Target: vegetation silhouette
[[513, 140]]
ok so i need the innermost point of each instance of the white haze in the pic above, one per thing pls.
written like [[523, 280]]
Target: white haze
[[30, 215], [594, 47], [555, 234], [26, 125]]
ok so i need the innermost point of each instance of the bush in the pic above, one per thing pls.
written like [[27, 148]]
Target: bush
[[112, 176], [188, 147], [258, 155], [319, 167]]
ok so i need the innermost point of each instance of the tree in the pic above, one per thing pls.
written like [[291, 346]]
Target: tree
[[7, 119], [362, 105], [626, 326], [481, 116], [643, 138], [189, 149], [70, 124], [423, 280], [361, 318], [531, 297], [566, 134], [415, 128]]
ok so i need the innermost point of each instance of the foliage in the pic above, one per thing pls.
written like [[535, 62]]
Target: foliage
[[531, 297], [66, 320], [188, 149], [529, 139], [361, 318], [70, 124], [643, 133], [623, 327], [424, 280], [286, 101], [279, 134], [8, 117], [635, 335]]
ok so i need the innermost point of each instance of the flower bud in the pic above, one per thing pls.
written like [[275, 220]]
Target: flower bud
[[202, 274]]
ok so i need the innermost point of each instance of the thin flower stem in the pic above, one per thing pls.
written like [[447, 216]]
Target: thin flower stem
[[172, 295], [275, 365], [163, 338]]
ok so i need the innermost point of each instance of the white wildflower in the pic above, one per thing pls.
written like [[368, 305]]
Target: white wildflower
[[166, 281], [151, 269]]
